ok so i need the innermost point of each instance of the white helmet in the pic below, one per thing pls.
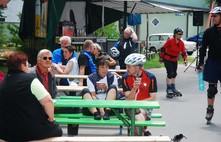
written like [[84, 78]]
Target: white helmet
[[135, 59], [216, 10], [114, 52]]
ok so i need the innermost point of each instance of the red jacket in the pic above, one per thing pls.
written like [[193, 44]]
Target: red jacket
[[173, 49]]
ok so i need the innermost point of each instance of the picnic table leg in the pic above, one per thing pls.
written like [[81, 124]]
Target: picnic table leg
[[132, 122]]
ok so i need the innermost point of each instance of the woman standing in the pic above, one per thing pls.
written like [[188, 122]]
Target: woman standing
[[169, 55]]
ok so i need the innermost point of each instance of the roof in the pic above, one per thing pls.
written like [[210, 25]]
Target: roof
[[139, 6], [146, 6]]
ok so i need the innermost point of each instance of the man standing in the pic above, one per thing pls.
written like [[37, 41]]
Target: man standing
[[139, 84], [212, 69]]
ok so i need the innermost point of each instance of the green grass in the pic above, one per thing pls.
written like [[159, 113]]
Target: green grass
[[154, 63]]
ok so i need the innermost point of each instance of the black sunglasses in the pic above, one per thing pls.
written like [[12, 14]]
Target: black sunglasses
[[45, 58]]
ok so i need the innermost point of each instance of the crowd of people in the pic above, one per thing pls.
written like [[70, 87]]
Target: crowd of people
[[35, 87]]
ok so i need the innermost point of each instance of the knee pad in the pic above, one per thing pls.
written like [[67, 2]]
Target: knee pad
[[212, 91], [85, 91], [171, 75]]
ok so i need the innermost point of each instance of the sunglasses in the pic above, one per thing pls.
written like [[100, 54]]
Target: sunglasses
[[180, 34], [45, 58]]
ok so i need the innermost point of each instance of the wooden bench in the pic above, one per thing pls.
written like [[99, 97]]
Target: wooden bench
[[108, 139]]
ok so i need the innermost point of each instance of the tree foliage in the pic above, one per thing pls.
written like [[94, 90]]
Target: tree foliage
[[110, 31]]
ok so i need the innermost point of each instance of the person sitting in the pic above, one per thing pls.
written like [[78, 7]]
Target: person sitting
[[85, 61], [139, 84], [101, 85], [71, 67], [26, 107], [97, 52], [42, 72], [57, 56]]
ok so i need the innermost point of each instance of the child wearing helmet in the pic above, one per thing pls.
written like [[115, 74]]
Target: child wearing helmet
[[139, 84], [212, 66], [169, 55]]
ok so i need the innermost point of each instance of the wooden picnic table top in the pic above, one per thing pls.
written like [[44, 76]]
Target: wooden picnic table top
[[70, 76], [106, 103], [75, 88]]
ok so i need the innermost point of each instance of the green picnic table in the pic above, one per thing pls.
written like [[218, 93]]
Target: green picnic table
[[129, 104]]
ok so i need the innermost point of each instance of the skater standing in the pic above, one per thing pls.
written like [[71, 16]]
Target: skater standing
[[169, 55], [212, 69]]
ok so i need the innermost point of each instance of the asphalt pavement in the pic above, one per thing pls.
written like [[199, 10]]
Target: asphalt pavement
[[183, 115]]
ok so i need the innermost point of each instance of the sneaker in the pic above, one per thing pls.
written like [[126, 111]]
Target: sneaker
[[147, 133], [97, 116], [106, 115]]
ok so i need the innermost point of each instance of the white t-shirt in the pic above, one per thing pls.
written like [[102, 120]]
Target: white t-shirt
[[101, 94], [74, 70]]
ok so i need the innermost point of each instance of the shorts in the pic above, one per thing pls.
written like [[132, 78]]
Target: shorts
[[137, 111], [212, 71]]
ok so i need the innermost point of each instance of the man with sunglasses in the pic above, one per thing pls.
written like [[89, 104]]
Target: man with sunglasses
[[169, 55], [42, 71], [212, 69]]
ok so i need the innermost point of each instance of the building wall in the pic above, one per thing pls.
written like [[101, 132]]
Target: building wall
[[167, 22]]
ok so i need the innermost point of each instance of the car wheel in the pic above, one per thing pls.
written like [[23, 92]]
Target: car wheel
[[153, 49], [189, 52]]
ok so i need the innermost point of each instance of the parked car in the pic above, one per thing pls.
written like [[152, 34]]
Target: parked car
[[194, 38], [156, 41]]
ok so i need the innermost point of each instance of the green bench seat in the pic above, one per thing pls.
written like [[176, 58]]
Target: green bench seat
[[112, 122], [80, 115]]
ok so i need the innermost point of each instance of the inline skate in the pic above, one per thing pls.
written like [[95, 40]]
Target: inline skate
[[209, 114]]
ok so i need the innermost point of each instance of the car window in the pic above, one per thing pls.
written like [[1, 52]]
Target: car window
[[164, 37], [154, 38]]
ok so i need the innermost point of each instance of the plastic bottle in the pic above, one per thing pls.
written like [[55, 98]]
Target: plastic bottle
[[201, 81]]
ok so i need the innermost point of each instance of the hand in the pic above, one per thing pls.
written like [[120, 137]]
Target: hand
[[161, 60], [200, 68], [185, 62], [137, 83]]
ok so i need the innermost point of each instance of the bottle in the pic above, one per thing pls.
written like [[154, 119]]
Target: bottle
[[201, 81]]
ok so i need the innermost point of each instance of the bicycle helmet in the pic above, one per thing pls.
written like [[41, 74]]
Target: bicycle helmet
[[216, 10], [177, 30], [135, 59], [114, 52]]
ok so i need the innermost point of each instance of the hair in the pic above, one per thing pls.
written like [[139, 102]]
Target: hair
[[128, 30], [87, 44], [102, 60], [16, 59], [43, 51], [70, 48], [97, 46], [66, 38]]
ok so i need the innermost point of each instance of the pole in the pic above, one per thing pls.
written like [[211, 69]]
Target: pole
[[103, 18]]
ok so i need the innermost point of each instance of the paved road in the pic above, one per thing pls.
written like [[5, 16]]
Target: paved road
[[184, 115]]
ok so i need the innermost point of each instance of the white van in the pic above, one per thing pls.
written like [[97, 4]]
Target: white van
[[156, 41]]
